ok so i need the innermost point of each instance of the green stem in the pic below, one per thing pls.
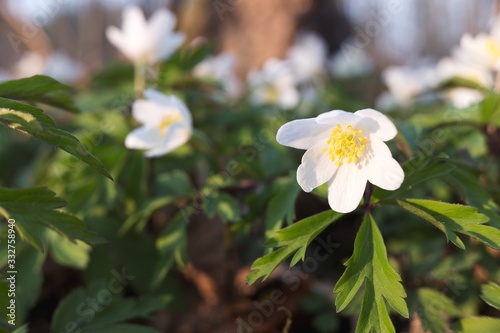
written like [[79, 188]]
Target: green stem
[[139, 79]]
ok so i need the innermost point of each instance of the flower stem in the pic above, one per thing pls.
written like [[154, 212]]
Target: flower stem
[[139, 79], [367, 196]]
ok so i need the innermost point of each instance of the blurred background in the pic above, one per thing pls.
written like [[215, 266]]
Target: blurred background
[[399, 32]]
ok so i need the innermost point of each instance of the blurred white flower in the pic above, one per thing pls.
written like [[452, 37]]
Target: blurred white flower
[[28, 65], [448, 68], [307, 57], [274, 84], [358, 63], [166, 124], [221, 68], [146, 42], [482, 50], [57, 65], [405, 83], [462, 97], [62, 68], [347, 150]]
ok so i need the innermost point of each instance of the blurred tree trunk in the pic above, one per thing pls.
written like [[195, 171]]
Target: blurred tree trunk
[[259, 29]]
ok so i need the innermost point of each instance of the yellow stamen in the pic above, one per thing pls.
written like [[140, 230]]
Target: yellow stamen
[[493, 47], [346, 144], [168, 121], [271, 95]]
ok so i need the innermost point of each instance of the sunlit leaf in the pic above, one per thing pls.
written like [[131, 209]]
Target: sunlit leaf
[[292, 240], [34, 122], [39, 89], [36, 208], [369, 265], [452, 219]]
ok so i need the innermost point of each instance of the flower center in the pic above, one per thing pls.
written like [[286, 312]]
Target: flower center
[[168, 121], [271, 95], [348, 143], [493, 47]]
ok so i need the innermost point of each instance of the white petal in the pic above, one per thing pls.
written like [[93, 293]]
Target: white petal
[[302, 133], [289, 98], [377, 123], [134, 23], [169, 101], [346, 188], [316, 168], [148, 112], [338, 117], [167, 46], [176, 137], [143, 138], [382, 169], [161, 23], [135, 30], [117, 38]]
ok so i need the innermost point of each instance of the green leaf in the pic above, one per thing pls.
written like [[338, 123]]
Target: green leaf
[[463, 82], [34, 122], [223, 205], [290, 240], [172, 245], [475, 194], [142, 215], [101, 308], [68, 253], [35, 208], [478, 324], [39, 89], [452, 218], [490, 109], [491, 294], [431, 305], [418, 170], [284, 192], [369, 264]]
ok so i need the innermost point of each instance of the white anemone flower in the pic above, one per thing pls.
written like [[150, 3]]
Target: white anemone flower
[[347, 150], [146, 42], [166, 124], [307, 57], [57, 65], [462, 97], [355, 64], [482, 50], [274, 84], [406, 83], [220, 68]]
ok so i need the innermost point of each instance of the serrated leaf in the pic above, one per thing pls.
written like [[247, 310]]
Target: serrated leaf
[[34, 122], [477, 324], [452, 219], [39, 89], [291, 240], [431, 305], [281, 206], [35, 209], [490, 293], [369, 264]]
